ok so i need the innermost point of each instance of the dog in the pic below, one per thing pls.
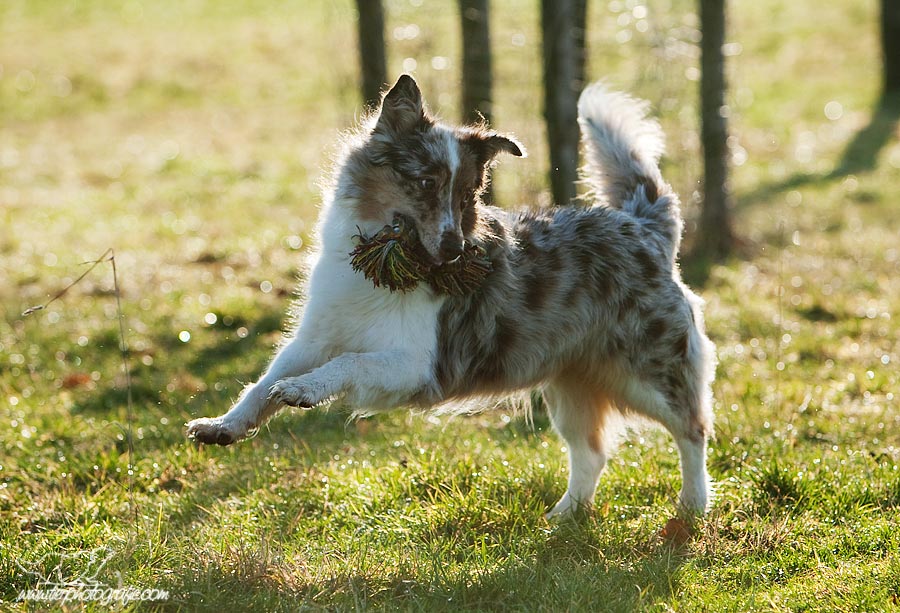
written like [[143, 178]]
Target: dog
[[584, 302]]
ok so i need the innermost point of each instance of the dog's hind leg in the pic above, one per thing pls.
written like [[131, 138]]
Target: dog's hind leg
[[582, 417], [689, 421], [694, 496]]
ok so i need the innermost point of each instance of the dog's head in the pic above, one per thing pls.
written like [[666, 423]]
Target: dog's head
[[430, 173]]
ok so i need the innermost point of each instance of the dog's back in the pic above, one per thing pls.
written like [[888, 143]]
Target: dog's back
[[579, 287]]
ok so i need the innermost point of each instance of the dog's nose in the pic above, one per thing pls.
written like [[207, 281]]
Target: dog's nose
[[451, 246]]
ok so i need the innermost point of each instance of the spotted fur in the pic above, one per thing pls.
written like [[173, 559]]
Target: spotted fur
[[584, 302]]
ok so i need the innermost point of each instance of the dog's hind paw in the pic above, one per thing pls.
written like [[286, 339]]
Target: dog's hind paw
[[211, 431], [567, 508]]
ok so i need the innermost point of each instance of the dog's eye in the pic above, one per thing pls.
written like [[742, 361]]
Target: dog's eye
[[426, 184]]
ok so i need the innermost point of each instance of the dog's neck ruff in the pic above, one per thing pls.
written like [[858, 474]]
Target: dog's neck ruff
[[394, 258]]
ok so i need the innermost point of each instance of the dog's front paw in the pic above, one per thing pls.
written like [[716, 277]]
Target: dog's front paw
[[211, 431], [294, 392]]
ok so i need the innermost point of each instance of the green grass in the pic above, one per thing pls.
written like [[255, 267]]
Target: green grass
[[190, 138]]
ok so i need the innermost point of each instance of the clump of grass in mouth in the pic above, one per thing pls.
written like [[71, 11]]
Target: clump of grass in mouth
[[394, 258]]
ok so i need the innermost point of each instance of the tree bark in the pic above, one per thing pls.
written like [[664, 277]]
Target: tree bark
[[373, 67], [563, 28], [715, 237], [476, 60], [890, 44]]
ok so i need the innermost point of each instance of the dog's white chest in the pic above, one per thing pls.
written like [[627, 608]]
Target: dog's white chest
[[355, 316]]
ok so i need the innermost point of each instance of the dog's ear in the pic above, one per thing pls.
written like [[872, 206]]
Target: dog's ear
[[496, 143], [487, 144], [402, 107]]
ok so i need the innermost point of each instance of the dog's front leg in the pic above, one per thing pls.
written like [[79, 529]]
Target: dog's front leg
[[254, 406], [376, 380]]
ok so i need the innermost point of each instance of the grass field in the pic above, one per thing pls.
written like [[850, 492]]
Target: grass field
[[190, 136]]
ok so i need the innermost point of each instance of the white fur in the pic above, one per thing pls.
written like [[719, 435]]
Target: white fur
[[373, 348]]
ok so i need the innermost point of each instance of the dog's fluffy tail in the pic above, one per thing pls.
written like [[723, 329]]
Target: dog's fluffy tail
[[622, 150]]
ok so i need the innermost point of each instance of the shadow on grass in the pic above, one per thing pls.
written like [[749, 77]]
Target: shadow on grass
[[567, 571], [547, 582], [859, 156], [232, 348], [466, 559]]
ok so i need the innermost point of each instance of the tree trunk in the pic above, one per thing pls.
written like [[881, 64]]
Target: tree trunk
[[373, 66], [890, 44], [714, 233], [476, 60], [563, 27]]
